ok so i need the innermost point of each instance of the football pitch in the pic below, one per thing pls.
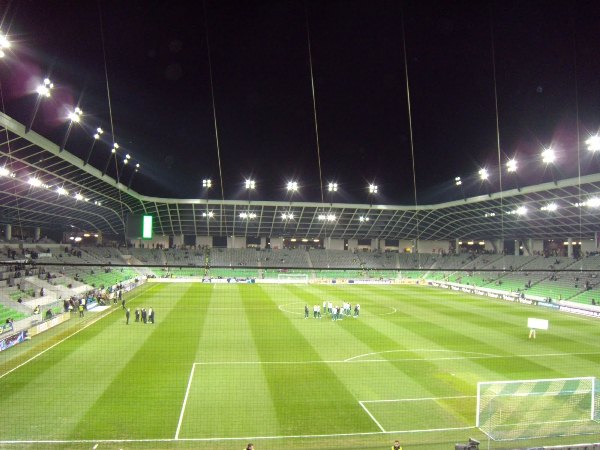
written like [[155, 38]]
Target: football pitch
[[227, 364]]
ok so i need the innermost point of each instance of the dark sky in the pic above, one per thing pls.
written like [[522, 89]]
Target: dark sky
[[156, 60]]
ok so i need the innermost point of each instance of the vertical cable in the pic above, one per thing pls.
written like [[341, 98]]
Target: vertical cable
[[314, 102], [214, 111], [578, 137], [412, 143], [110, 113], [493, 45]]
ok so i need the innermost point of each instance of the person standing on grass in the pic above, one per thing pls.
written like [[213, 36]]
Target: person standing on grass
[[127, 312], [137, 314], [81, 310], [325, 307], [151, 315], [396, 446], [144, 316], [306, 311]]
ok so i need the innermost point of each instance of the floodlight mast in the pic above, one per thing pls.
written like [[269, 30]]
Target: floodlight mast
[[332, 189], [44, 91], [548, 158], [373, 190], [458, 182], [136, 170], [113, 151], [250, 186], [511, 168], [206, 185], [74, 117], [97, 135]]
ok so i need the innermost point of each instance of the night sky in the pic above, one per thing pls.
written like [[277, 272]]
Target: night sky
[[547, 56]]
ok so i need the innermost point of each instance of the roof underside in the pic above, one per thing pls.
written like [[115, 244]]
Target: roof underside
[[109, 202]]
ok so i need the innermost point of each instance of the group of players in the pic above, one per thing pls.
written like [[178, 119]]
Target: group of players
[[336, 312]]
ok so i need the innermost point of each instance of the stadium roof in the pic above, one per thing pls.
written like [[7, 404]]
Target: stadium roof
[[36, 169]]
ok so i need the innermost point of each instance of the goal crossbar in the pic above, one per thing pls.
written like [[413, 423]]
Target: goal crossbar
[[507, 409]]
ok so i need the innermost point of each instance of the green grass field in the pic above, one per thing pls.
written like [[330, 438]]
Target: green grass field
[[228, 364]]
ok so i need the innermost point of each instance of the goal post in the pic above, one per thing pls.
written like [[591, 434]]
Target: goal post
[[293, 278], [525, 409]]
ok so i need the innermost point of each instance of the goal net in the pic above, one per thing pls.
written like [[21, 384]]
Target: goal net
[[525, 409], [293, 277]]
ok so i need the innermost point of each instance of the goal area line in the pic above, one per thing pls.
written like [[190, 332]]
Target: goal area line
[[363, 403]]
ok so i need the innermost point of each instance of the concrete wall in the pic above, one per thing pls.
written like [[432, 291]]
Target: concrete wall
[[204, 241], [433, 246], [236, 242], [334, 244], [276, 242]]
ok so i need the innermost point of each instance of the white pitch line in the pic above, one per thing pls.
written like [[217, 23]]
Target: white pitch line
[[371, 416], [417, 399], [417, 350], [219, 439], [187, 392], [71, 335]]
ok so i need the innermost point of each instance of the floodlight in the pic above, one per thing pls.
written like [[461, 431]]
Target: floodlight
[[548, 156], [113, 150], [78, 239], [115, 145], [210, 214], [4, 44], [322, 217], [35, 182], [44, 89], [125, 160], [593, 143], [331, 217], [99, 130], [61, 191], [457, 181], [252, 215], [78, 196], [483, 174], [287, 216], [521, 210], [550, 207], [127, 156], [363, 219], [250, 184], [333, 187], [511, 165], [243, 215], [75, 115], [594, 202], [373, 189], [137, 165], [4, 172], [292, 186], [207, 183]]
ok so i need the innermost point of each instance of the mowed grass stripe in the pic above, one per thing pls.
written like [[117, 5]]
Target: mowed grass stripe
[[152, 383], [228, 400], [480, 329], [309, 398], [56, 389]]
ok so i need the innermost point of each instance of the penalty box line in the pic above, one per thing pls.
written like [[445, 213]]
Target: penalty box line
[[363, 403]]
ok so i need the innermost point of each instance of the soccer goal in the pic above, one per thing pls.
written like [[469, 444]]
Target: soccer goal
[[525, 409], [293, 277]]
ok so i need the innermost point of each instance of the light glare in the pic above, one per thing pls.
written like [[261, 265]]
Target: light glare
[[593, 143], [548, 156], [511, 165]]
